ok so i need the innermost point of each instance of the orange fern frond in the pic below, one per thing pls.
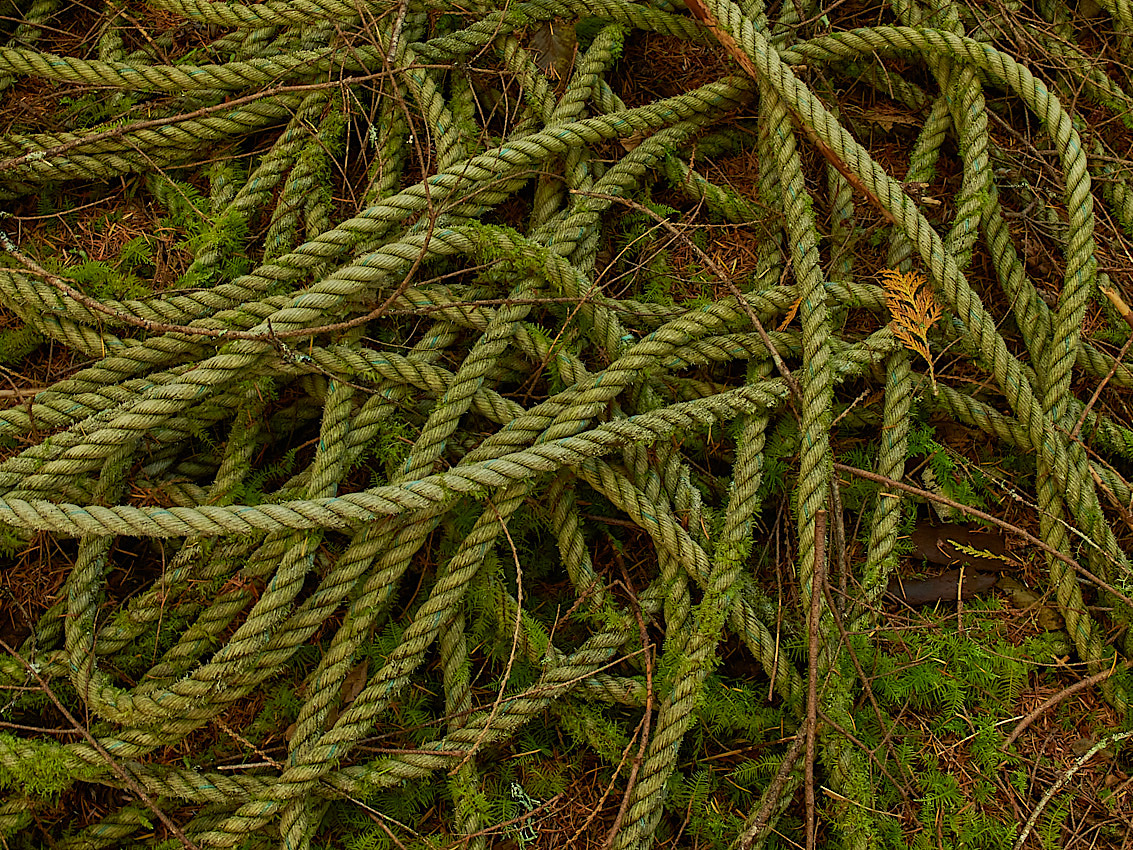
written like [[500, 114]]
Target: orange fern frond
[[790, 317], [914, 312]]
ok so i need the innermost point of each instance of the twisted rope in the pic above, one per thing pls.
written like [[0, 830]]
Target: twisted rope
[[418, 357]]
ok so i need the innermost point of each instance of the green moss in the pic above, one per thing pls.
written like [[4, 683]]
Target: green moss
[[41, 769]]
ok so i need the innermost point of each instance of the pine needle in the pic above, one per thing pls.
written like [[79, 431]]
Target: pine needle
[[914, 312]]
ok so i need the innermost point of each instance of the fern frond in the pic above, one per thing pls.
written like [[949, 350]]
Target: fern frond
[[914, 312], [790, 317]]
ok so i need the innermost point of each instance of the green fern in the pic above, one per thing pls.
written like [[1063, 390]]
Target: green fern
[[136, 254], [386, 452], [778, 459], [375, 838], [18, 343], [224, 234], [590, 727], [101, 280], [254, 489], [966, 485], [691, 791]]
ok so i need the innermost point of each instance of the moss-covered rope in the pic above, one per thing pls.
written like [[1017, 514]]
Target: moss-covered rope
[[425, 347]]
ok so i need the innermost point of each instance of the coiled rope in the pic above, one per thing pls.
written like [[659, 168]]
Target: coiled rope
[[311, 335]]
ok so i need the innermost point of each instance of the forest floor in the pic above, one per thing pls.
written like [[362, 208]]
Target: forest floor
[[566, 424]]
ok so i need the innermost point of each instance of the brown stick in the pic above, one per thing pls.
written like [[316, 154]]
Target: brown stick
[[888, 742], [774, 792], [1059, 697], [200, 113], [215, 333], [1119, 304], [713, 267], [698, 8], [646, 720], [849, 736], [596, 809], [1101, 485], [1101, 386]]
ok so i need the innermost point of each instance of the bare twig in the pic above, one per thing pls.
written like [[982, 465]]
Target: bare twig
[[773, 793], [715, 268], [646, 719], [497, 828], [118, 132], [888, 742], [1063, 779], [1121, 509], [215, 333], [1101, 386], [1059, 697], [395, 33], [380, 819], [706, 17], [1119, 304], [596, 809], [853, 739]]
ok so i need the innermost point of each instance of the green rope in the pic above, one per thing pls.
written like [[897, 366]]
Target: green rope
[[416, 349]]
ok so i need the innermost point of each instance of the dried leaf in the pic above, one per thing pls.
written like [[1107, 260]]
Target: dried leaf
[[354, 683], [942, 588], [914, 312], [552, 45], [790, 317], [952, 544]]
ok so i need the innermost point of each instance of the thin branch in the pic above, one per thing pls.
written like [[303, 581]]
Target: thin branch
[[496, 829], [868, 688], [853, 739], [596, 809], [647, 718], [118, 132], [773, 793], [702, 13], [395, 33], [1101, 386], [1059, 697], [1062, 780], [1101, 485], [719, 272]]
